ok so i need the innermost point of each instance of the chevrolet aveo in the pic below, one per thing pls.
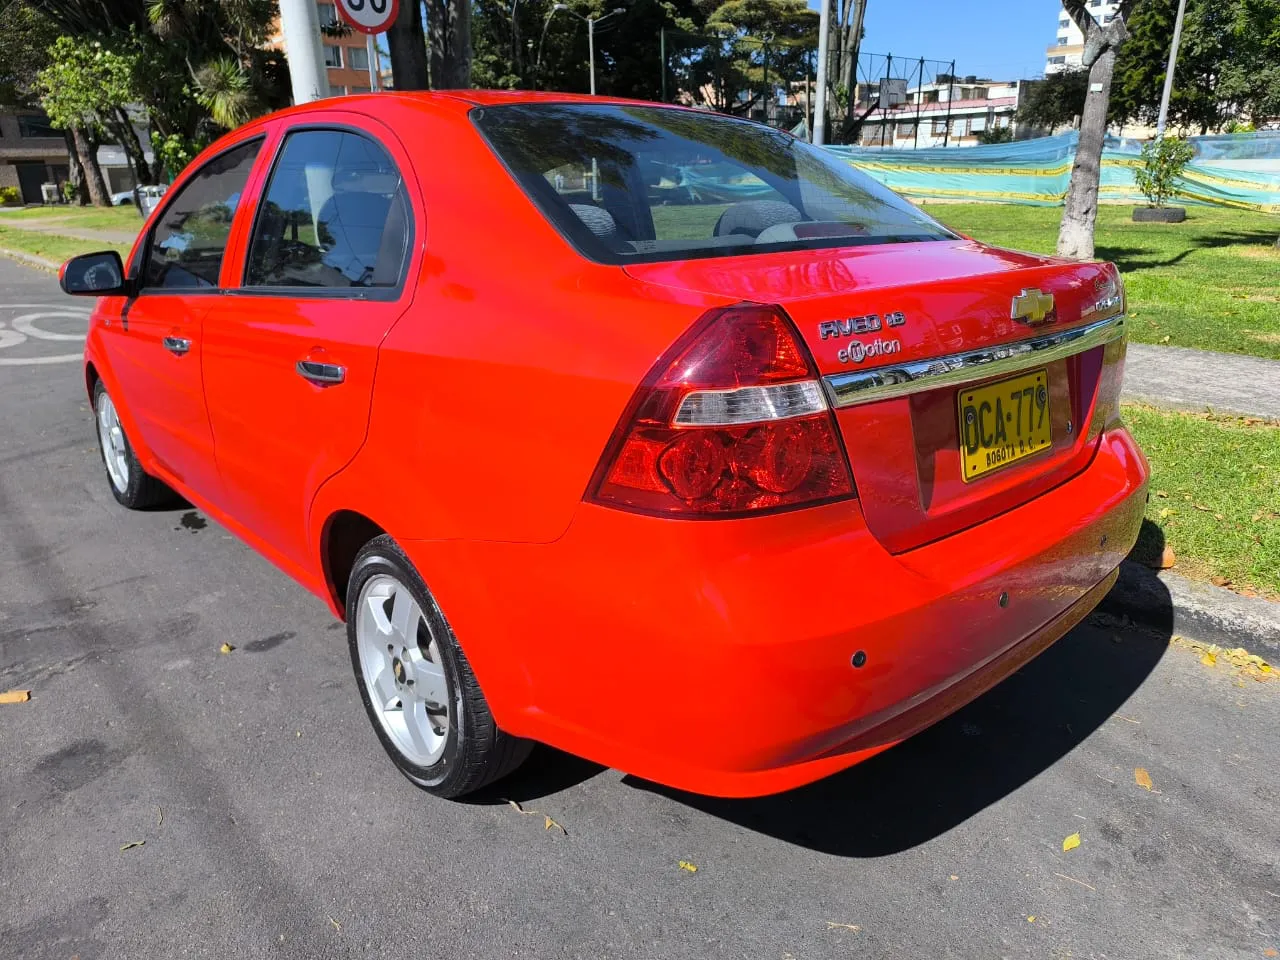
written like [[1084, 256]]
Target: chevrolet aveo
[[655, 435]]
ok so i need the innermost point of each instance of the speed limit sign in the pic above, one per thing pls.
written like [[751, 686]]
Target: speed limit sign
[[369, 16]]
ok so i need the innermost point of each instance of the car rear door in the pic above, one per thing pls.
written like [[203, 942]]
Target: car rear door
[[154, 347], [291, 350]]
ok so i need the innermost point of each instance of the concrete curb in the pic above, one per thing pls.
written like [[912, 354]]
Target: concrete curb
[[30, 260], [1171, 603]]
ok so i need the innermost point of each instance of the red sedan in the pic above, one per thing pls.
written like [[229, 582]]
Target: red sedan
[[656, 435]]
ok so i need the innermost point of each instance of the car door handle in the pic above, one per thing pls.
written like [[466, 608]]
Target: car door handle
[[177, 345], [322, 373]]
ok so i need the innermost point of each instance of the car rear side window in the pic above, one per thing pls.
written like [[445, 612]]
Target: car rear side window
[[335, 215], [188, 244], [629, 184]]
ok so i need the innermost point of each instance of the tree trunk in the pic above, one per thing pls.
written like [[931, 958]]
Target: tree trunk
[[132, 147], [408, 46], [76, 172], [1075, 236], [449, 27], [87, 152]]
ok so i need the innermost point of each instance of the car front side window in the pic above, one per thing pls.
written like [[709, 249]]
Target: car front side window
[[187, 245]]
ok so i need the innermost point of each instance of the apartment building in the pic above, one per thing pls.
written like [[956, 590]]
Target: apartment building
[[951, 113], [1067, 52], [346, 57]]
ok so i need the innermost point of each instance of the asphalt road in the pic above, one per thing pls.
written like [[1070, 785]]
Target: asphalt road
[[274, 826]]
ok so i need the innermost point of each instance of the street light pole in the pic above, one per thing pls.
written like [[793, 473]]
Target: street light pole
[[591, 52], [824, 41], [591, 34], [1168, 77]]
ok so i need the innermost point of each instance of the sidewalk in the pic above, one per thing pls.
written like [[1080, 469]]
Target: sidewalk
[[1199, 380]]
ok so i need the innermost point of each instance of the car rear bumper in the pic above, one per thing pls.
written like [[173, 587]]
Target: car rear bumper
[[718, 656]]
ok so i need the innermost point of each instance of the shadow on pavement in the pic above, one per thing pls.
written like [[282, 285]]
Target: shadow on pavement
[[935, 781]]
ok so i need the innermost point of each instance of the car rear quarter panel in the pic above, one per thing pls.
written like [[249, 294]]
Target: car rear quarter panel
[[498, 391]]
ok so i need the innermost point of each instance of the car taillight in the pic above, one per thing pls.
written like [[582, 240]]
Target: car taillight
[[731, 420]]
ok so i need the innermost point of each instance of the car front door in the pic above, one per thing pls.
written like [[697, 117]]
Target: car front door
[[154, 347], [290, 354]]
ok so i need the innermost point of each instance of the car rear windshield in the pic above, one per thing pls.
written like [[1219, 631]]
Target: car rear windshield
[[635, 184]]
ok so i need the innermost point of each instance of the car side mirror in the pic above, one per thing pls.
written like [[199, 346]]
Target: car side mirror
[[94, 275]]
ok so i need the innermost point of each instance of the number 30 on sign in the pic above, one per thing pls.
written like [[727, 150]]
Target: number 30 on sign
[[369, 16]]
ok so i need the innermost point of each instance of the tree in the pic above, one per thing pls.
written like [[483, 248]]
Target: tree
[[449, 40], [994, 134], [1228, 63], [1055, 101], [407, 45], [1102, 45], [201, 65], [84, 89], [768, 43], [1163, 161]]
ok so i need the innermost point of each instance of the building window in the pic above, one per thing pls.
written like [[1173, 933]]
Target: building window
[[906, 130], [333, 55], [328, 14], [357, 58], [1095, 3], [1057, 59], [977, 124], [36, 126], [931, 96], [1108, 18], [939, 127], [1064, 24], [1062, 41], [355, 90]]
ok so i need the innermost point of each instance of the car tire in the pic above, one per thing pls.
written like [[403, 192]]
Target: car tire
[[448, 745], [132, 486]]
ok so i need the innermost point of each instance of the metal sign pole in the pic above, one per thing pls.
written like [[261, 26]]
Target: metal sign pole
[[300, 24]]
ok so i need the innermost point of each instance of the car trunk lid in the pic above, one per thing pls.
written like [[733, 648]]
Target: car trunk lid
[[900, 330]]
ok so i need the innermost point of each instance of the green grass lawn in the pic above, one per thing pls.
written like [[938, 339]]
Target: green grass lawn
[[52, 246], [1212, 282], [1215, 496], [78, 218]]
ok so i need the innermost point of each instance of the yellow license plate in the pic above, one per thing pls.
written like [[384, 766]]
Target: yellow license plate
[[1002, 423]]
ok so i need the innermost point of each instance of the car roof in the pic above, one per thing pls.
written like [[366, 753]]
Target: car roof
[[462, 100]]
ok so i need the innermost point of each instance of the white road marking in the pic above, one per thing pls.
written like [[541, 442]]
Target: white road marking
[[26, 324], [24, 328]]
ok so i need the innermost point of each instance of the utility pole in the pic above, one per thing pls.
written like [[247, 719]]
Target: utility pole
[[824, 42], [300, 24], [591, 34], [1173, 64], [951, 90]]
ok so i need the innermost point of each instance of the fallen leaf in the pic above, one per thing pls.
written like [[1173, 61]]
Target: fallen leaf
[[15, 696], [1162, 494], [1164, 339], [1220, 581], [1164, 514], [132, 844], [160, 818], [1167, 559], [1270, 952], [686, 865], [1209, 659], [551, 823], [1142, 778], [1219, 517], [226, 648], [1071, 842], [954, 877], [336, 925], [832, 925], [1202, 509], [1032, 918]]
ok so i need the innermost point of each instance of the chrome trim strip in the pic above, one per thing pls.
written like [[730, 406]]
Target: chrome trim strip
[[917, 376]]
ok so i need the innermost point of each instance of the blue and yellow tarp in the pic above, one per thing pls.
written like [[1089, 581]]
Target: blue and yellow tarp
[[1236, 170]]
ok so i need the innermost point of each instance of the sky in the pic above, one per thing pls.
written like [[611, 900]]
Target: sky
[[999, 39]]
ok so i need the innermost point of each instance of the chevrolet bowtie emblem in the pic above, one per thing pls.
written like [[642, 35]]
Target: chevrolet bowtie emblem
[[1032, 306]]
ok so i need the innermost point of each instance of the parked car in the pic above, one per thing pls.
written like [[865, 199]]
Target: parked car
[[126, 198], [655, 435]]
